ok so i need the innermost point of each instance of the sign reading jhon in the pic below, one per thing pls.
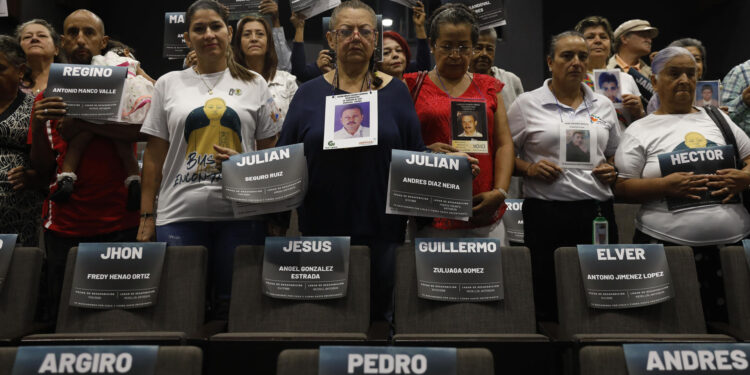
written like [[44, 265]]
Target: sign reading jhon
[[117, 275], [459, 270], [306, 268]]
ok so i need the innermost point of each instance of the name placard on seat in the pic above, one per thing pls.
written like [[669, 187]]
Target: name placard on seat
[[135, 360], [306, 268], [117, 275], [459, 269], [337, 360], [625, 276], [694, 358]]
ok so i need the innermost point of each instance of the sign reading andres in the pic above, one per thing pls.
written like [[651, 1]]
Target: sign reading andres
[[99, 359], [432, 185], [174, 39], [459, 270], [699, 161], [338, 360], [625, 276], [270, 175], [89, 91], [117, 275], [7, 244], [306, 268], [695, 358]]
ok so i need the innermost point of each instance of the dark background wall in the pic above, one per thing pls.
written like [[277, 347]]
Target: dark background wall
[[721, 24]]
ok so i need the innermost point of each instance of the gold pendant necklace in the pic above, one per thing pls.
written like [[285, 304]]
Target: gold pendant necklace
[[210, 89]]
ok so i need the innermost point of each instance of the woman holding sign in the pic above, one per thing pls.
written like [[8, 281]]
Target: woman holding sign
[[565, 136], [461, 111], [197, 117], [678, 163]]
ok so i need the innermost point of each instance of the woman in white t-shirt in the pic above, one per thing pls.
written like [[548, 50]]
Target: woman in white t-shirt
[[564, 135], [672, 161], [198, 116], [254, 49]]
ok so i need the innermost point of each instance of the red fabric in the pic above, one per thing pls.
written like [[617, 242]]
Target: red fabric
[[401, 41], [97, 205], [434, 110]]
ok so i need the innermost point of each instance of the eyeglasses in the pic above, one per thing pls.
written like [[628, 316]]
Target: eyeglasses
[[348, 33], [461, 50]]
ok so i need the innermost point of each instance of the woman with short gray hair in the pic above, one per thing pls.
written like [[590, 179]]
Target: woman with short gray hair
[[679, 193]]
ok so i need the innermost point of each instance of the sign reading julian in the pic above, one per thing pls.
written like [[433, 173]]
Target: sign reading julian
[[625, 276], [306, 268], [705, 160], [459, 270], [337, 360], [264, 176], [174, 40], [513, 220], [7, 244], [469, 126], [95, 359], [432, 185], [89, 91], [117, 275], [693, 358]]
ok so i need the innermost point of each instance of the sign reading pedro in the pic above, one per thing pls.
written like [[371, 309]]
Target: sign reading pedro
[[100, 359], [459, 270], [625, 276], [338, 360], [117, 275], [695, 358], [90, 91], [432, 185], [306, 268], [7, 244]]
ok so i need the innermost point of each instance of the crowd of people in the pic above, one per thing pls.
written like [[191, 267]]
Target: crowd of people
[[574, 151]]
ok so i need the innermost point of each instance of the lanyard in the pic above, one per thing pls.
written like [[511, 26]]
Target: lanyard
[[585, 103], [361, 87], [459, 98]]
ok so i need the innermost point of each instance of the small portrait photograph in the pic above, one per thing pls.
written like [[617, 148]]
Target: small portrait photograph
[[707, 93], [470, 125], [352, 121], [577, 147], [608, 84]]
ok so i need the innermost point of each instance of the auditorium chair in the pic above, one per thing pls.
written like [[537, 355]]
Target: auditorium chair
[[177, 315], [737, 291], [597, 360], [469, 361], [19, 293], [254, 316], [170, 360], [512, 319], [677, 320]]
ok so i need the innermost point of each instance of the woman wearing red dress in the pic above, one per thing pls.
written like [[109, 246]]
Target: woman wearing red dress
[[441, 102]]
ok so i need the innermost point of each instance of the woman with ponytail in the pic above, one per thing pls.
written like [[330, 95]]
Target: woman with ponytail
[[198, 117]]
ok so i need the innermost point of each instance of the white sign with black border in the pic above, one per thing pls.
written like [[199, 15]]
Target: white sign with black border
[[351, 120]]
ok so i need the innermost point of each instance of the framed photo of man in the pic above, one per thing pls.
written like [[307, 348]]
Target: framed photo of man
[[351, 121], [707, 93], [607, 82], [469, 126], [577, 146]]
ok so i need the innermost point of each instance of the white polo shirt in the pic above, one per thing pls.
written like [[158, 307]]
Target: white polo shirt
[[535, 119]]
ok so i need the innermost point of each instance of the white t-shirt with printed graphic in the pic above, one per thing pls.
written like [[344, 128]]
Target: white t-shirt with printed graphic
[[535, 118], [638, 157], [191, 120]]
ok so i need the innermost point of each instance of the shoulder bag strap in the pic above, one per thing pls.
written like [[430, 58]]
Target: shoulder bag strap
[[726, 131], [420, 80]]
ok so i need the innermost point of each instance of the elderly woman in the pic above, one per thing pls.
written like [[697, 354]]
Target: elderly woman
[[198, 116], [41, 43], [453, 32], [396, 52], [686, 206], [21, 205], [254, 49], [565, 136], [347, 187], [598, 34]]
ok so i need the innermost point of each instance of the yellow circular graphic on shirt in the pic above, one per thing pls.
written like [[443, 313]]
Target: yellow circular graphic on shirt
[[214, 123]]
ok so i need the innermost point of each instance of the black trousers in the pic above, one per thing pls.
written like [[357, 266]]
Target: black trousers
[[56, 249], [710, 277], [549, 225]]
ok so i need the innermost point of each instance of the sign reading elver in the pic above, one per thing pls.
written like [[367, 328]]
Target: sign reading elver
[[459, 269], [306, 268], [117, 275]]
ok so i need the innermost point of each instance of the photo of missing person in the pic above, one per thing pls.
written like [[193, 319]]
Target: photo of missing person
[[707, 93], [469, 124], [352, 121], [577, 147], [608, 84]]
